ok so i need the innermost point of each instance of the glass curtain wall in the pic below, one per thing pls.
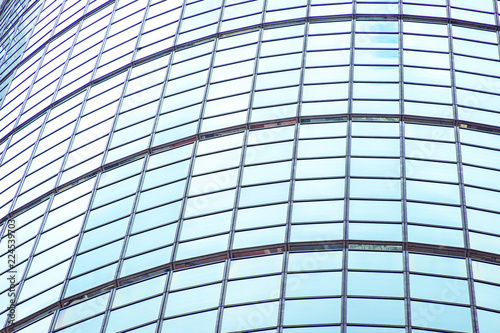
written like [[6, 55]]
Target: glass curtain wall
[[267, 166]]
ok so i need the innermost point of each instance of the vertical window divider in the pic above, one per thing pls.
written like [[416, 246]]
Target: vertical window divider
[[345, 237], [288, 230], [21, 111], [125, 83], [242, 158], [458, 147], [126, 238], [402, 159], [18, 117], [141, 177], [189, 174], [87, 212]]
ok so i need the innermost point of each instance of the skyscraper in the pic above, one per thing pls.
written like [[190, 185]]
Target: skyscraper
[[271, 166]]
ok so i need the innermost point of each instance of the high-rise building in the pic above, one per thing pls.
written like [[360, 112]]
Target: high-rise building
[[270, 166]]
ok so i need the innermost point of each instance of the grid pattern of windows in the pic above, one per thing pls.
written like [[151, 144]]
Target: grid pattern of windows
[[271, 166]]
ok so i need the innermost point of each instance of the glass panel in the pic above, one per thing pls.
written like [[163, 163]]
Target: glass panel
[[314, 311], [488, 321], [434, 214], [206, 225], [133, 315], [437, 236], [441, 316], [313, 284], [243, 317], [376, 311], [375, 231], [439, 289], [375, 284], [261, 216], [255, 266], [319, 189], [320, 168], [437, 265], [314, 261], [487, 295], [375, 260], [200, 322], [251, 290], [192, 300], [197, 276], [139, 291], [74, 313], [259, 237]]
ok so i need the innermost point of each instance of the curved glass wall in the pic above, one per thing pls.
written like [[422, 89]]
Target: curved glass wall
[[271, 166]]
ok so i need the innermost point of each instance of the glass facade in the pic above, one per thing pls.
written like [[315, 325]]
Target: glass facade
[[270, 166]]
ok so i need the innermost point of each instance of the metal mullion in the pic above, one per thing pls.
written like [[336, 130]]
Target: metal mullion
[[404, 203], [178, 231], [496, 13], [107, 309], [166, 79], [29, 259], [472, 298], [463, 208], [103, 45], [284, 274], [487, 167], [225, 277], [189, 173], [86, 94], [65, 280], [244, 142], [18, 117], [127, 77], [68, 58], [87, 211], [126, 238], [175, 243], [345, 251], [28, 163], [168, 281]]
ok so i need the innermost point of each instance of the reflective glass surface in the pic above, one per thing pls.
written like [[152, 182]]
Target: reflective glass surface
[[255, 166]]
